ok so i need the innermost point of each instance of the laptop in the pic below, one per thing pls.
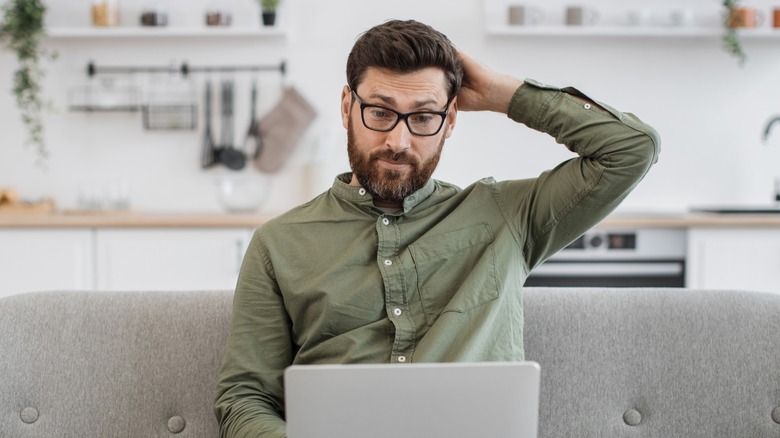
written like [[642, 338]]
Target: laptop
[[425, 400]]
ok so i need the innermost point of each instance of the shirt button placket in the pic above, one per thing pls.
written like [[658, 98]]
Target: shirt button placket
[[393, 276]]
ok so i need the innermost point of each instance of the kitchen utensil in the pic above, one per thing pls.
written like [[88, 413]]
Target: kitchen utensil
[[281, 129], [208, 152], [520, 15], [252, 145], [745, 17], [108, 93], [581, 16], [170, 116], [231, 157], [216, 17], [105, 13], [171, 104], [154, 18], [243, 193]]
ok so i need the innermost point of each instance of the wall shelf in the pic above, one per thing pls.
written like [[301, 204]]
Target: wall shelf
[[624, 31], [165, 32]]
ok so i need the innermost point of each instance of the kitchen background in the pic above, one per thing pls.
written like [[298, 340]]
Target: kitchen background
[[710, 111]]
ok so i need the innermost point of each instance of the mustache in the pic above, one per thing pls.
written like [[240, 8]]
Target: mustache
[[395, 157]]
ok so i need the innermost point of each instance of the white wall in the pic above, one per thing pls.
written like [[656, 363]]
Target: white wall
[[710, 112]]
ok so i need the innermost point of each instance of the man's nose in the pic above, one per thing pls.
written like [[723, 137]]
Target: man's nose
[[399, 138]]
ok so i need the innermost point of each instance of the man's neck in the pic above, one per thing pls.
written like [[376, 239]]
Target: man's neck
[[388, 206]]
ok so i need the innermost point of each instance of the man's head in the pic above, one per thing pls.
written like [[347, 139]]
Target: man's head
[[399, 106], [404, 47]]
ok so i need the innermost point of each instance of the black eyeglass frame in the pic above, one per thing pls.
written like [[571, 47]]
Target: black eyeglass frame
[[401, 116]]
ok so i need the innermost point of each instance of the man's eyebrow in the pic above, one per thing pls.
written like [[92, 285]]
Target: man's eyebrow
[[387, 100]]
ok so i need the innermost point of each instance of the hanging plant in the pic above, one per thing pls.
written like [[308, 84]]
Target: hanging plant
[[731, 40], [21, 32]]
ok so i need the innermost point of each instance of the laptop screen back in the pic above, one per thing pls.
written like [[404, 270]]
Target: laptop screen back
[[452, 400]]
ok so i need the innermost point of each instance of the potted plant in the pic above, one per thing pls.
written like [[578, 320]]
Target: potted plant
[[21, 32], [731, 23], [268, 9]]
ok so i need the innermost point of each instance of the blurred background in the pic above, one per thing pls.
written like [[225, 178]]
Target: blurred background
[[638, 56]]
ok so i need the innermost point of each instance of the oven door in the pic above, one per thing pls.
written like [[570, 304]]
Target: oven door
[[609, 273]]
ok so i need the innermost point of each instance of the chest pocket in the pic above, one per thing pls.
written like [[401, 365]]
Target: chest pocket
[[456, 271]]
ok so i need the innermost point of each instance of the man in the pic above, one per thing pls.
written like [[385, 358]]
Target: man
[[390, 265]]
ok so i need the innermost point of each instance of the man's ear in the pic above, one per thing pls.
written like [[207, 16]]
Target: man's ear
[[346, 103], [452, 117]]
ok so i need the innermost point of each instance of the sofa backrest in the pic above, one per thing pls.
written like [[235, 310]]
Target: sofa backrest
[[655, 362], [615, 362], [108, 364]]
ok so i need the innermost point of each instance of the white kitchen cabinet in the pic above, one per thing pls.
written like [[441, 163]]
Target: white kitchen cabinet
[[169, 258], [33, 259], [734, 258]]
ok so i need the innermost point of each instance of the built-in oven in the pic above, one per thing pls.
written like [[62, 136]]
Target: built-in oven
[[653, 257]]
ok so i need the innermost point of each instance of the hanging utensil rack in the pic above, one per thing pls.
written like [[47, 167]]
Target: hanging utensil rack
[[167, 111], [185, 69]]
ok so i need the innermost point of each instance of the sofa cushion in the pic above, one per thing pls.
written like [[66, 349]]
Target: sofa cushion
[[655, 362], [112, 364]]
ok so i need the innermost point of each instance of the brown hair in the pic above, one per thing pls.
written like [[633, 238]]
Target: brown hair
[[404, 47]]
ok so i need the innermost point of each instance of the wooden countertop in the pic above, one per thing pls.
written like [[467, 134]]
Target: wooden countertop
[[130, 219], [133, 219], [692, 220]]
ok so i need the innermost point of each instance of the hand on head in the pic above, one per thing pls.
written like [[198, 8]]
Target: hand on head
[[484, 89]]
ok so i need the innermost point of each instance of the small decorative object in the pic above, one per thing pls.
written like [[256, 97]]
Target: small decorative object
[[216, 17], [268, 9], [154, 18], [21, 32], [731, 23], [105, 13]]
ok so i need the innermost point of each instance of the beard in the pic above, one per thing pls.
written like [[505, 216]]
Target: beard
[[386, 184]]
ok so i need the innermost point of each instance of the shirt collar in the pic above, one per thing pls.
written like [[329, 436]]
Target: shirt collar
[[342, 189]]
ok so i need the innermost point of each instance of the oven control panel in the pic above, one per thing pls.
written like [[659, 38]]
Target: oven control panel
[[623, 244], [605, 241]]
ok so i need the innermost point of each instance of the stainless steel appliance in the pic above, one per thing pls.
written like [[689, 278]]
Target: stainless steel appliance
[[652, 257]]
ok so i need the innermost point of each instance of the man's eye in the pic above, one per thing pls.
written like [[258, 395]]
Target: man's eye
[[381, 114], [422, 118]]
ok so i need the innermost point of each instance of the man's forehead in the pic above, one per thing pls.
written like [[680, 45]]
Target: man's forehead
[[421, 87]]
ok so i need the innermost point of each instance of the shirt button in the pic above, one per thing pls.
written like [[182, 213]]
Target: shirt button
[[587, 106], [386, 221], [397, 311], [402, 359], [388, 262], [362, 191]]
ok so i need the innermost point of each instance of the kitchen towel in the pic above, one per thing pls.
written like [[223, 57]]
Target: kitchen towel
[[281, 129]]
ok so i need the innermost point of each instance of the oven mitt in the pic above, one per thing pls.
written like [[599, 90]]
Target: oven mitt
[[280, 130]]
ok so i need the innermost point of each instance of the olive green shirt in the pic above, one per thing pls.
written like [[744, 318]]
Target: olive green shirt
[[336, 280]]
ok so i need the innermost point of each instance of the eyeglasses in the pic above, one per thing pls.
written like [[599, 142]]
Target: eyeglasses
[[421, 123]]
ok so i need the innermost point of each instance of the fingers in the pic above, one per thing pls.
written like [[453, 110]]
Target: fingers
[[483, 89]]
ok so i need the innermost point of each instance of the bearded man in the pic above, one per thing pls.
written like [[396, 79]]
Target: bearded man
[[390, 265]]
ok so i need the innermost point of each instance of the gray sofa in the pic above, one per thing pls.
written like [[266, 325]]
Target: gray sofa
[[615, 363]]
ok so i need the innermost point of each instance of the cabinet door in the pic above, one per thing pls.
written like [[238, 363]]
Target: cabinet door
[[45, 259], [169, 259], [741, 259]]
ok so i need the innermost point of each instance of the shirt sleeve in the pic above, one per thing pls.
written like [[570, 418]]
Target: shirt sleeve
[[615, 151], [250, 391]]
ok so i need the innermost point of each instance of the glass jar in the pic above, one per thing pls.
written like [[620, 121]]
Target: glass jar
[[105, 13], [217, 15]]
